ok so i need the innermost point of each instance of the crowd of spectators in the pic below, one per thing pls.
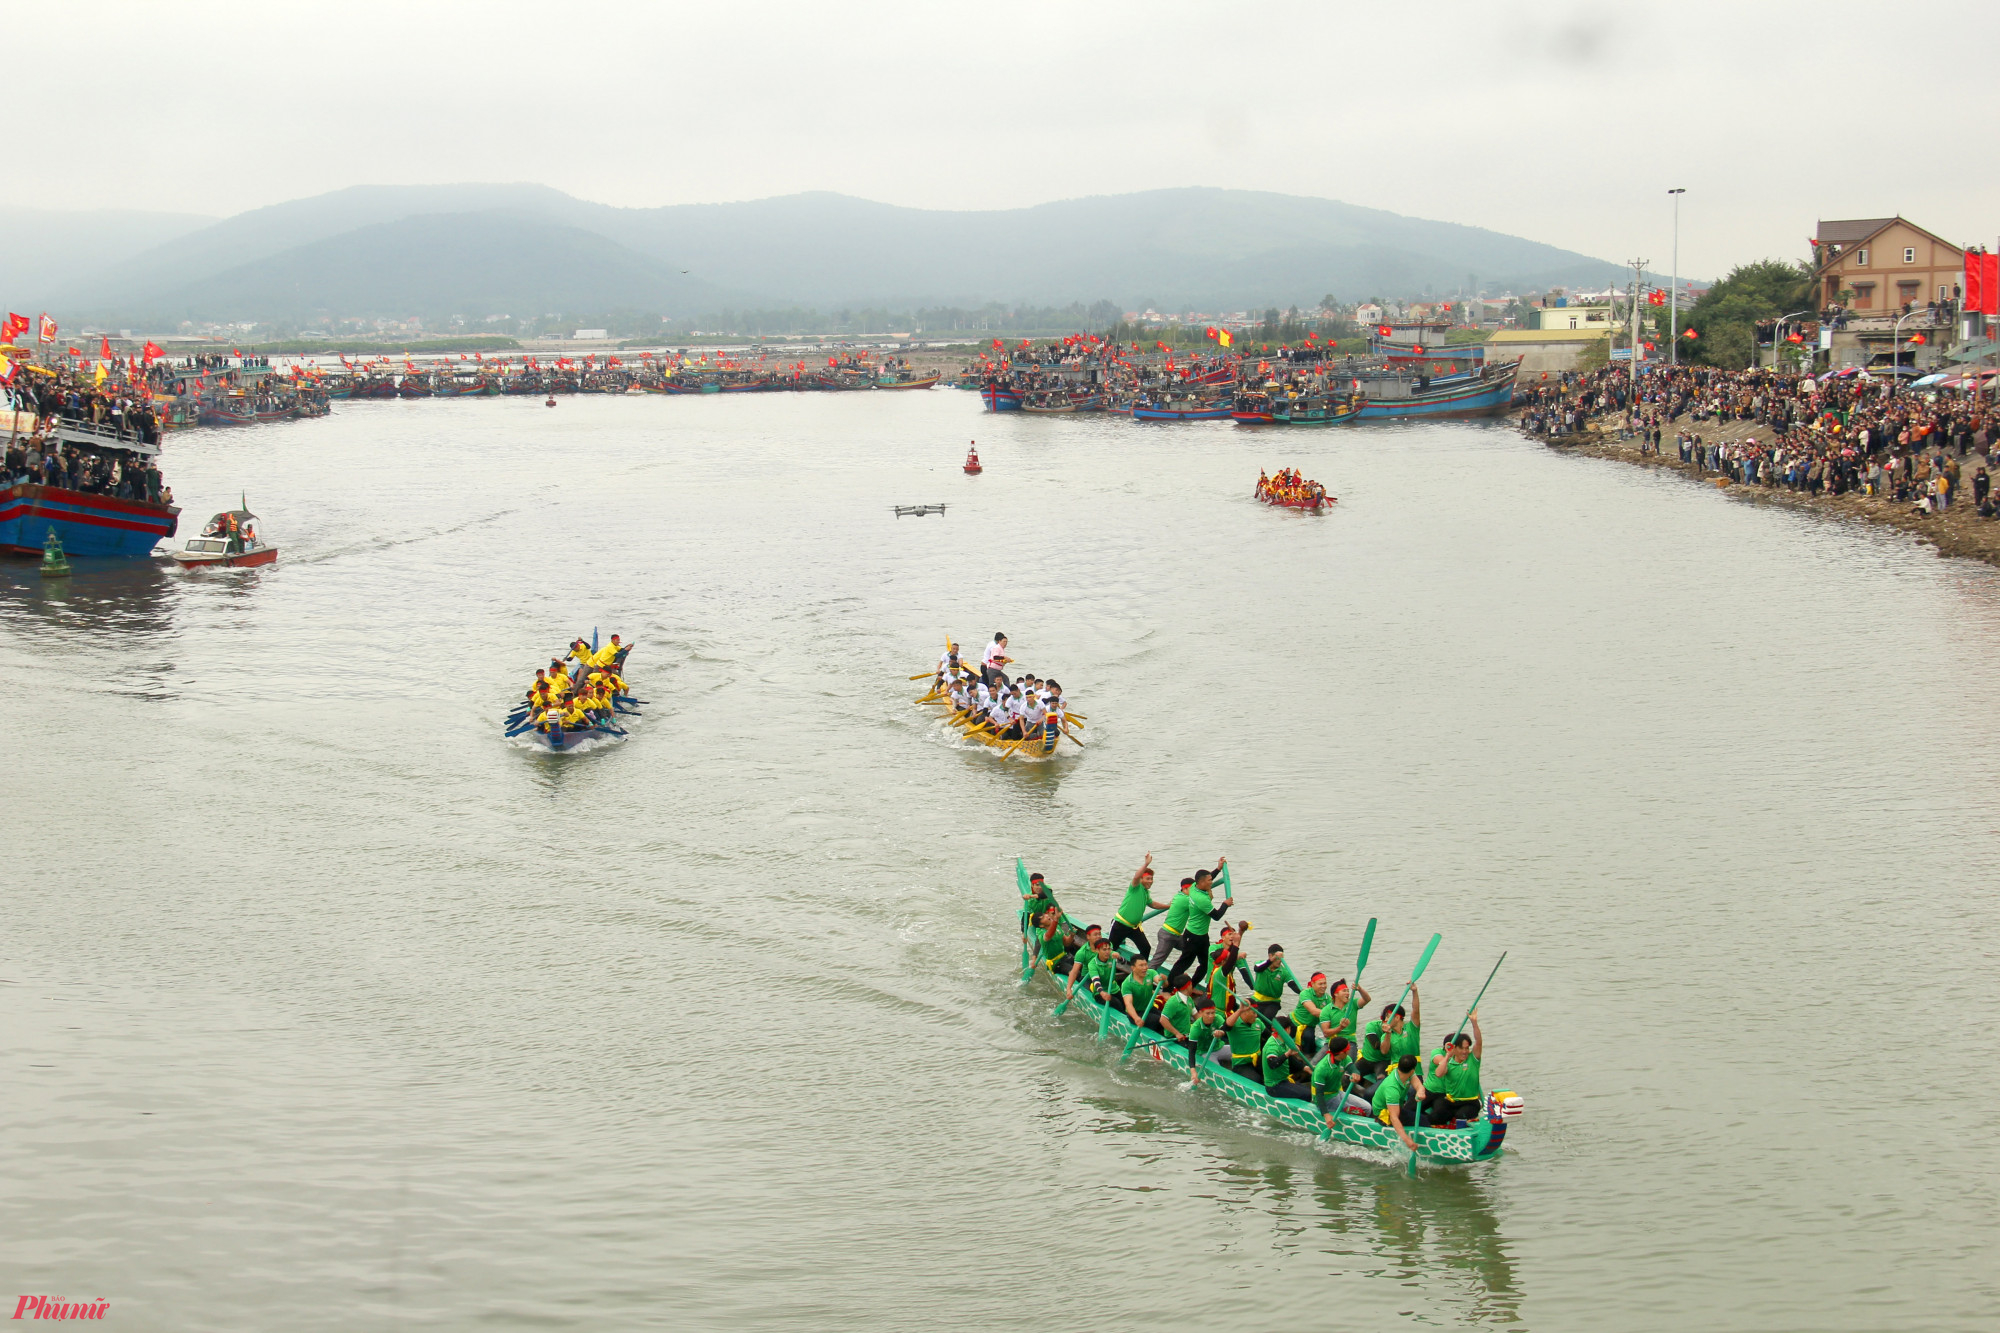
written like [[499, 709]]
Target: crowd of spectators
[[53, 408], [1823, 435]]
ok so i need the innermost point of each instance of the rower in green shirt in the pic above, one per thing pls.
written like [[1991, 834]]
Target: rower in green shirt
[[1201, 911], [1170, 929], [1054, 945], [1304, 1019], [1280, 1078], [1454, 1079], [1269, 979], [1175, 1018], [1332, 1076], [1246, 1039], [1337, 1016], [1396, 1098], [1132, 910], [1136, 995], [1406, 1034], [1096, 967]]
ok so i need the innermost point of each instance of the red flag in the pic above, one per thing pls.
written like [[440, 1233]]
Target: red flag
[[1982, 292], [1418, 349], [14, 324], [48, 333], [152, 350], [1656, 297], [1210, 331], [1917, 338], [1162, 346], [613, 361], [1689, 333], [236, 351], [1794, 338], [1025, 343], [834, 361], [104, 347], [1384, 330], [996, 345]]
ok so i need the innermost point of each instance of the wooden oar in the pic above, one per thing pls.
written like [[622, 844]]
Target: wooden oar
[[921, 675], [1079, 744], [525, 726]]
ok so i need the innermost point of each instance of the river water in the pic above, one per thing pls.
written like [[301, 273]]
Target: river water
[[325, 1007]]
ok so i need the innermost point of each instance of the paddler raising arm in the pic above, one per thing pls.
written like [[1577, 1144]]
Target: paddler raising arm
[[1201, 911], [1269, 979], [1131, 911], [1170, 929], [1454, 1078], [1337, 1015]]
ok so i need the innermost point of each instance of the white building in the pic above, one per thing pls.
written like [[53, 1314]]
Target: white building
[[591, 335]]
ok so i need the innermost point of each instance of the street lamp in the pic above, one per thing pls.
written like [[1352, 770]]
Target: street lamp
[[1674, 292], [1897, 348], [1778, 334]]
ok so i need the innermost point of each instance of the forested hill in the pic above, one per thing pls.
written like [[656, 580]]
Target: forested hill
[[389, 250]]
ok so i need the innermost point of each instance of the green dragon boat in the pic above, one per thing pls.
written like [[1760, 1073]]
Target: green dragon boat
[[1479, 1142]]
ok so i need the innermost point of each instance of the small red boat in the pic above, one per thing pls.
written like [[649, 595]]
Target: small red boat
[[229, 541], [972, 468]]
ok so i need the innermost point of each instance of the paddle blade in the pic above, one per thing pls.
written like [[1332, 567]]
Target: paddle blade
[[1021, 876], [1367, 943], [1417, 974]]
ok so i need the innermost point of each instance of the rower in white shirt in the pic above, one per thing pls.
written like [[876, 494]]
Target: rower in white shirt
[[948, 665]]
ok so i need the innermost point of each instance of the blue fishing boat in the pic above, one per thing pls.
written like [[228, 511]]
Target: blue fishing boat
[[999, 398], [1488, 391], [1186, 410], [86, 524]]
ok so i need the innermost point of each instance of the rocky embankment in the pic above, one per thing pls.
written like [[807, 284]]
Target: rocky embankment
[[1959, 532]]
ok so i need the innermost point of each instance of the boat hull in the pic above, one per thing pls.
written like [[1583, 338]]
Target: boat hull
[[243, 560], [928, 383], [1000, 400], [1175, 414], [1481, 1141], [1480, 398], [88, 525]]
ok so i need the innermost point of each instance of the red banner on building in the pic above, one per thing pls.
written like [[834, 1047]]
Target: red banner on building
[[1982, 283]]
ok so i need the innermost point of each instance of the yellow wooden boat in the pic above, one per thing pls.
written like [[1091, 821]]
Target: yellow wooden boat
[[1037, 742]]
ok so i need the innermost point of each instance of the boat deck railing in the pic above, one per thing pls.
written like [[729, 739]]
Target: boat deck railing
[[95, 435]]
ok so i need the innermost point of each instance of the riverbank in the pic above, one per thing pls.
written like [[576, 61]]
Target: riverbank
[[1960, 532]]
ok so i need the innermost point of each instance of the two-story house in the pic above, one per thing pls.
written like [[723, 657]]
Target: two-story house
[[1884, 264]]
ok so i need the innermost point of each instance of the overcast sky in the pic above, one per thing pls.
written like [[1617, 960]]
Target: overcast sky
[[1543, 120]]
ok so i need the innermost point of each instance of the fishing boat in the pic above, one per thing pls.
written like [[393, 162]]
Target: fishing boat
[[1480, 1141], [999, 398], [227, 541], [1182, 410], [415, 386], [925, 382], [1489, 390], [87, 524], [1317, 410]]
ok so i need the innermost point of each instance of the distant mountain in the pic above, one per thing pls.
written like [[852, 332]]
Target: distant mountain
[[46, 253], [1178, 249], [475, 264]]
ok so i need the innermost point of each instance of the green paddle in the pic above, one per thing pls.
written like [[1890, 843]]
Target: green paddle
[[1416, 975], [1027, 926], [1477, 998]]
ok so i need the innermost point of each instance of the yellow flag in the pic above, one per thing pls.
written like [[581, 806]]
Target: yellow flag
[[6, 370], [1224, 338], [100, 372]]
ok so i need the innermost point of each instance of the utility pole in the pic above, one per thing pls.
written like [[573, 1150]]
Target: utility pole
[[1638, 272], [1674, 292]]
